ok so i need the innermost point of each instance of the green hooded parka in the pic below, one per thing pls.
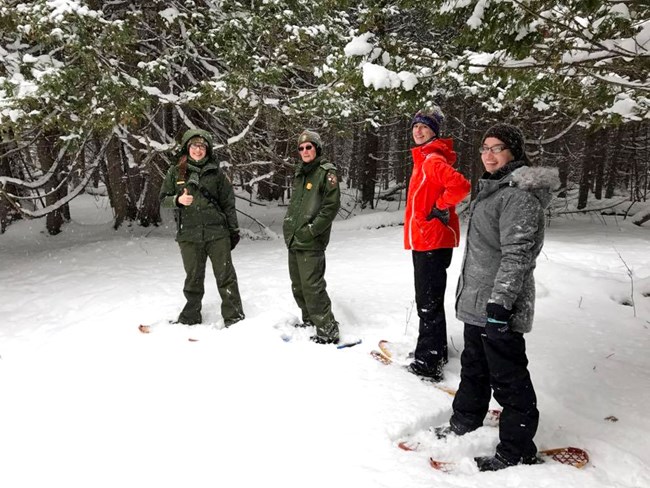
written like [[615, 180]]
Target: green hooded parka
[[212, 215]]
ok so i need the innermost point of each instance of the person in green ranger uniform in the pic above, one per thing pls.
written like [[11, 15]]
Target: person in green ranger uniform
[[307, 225], [206, 223]]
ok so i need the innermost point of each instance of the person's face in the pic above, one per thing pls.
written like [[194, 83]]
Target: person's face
[[494, 154], [307, 151], [422, 133], [198, 151]]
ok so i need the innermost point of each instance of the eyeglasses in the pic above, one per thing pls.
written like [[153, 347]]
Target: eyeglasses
[[197, 145], [308, 147], [496, 149]]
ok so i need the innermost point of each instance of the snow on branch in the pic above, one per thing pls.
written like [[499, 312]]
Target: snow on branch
[[259, 178], [360, 45], [380, 77], [614, 79], [559, 135], [375, 75], [185, 118], [243, 133], [76, 191], [43, 180], [214, 70], [641, 216]]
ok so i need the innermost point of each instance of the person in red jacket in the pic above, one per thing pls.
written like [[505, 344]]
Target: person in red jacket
[[431, 231]]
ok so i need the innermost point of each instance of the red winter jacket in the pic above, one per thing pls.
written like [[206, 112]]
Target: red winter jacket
[[434, 181]]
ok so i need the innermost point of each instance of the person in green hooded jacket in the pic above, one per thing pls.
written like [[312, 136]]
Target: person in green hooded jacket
[[315, 201], [206, 223]]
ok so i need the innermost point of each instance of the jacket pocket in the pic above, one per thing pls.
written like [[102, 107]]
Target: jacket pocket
[[216, 218], [303, 235], [431, 231], [473, 297], [483, 294]]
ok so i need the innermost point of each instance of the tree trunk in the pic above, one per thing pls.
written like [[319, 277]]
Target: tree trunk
[[272, 188], [588, 163], [646, 164], [46, 152], [7, 211], [143, 184], [600, 161], [638, 183], [358, 154], [118, 191], [149, 209], [477, 168], [383, 166], [369, 172], [611, 177], [402, 155]]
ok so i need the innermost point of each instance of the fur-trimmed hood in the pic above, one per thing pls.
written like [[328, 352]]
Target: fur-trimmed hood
[[540, 181]]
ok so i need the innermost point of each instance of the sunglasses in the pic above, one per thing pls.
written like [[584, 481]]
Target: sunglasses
[[198, 145], [308, 147], [496, 149]]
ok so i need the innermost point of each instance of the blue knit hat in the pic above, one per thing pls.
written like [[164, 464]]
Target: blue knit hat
[[432, 118]]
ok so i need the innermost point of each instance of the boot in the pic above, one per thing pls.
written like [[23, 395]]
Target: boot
[[228, 323], [498, 462], [443, 431], [452, 428], [420, 369], [323, 340], [189, 320], [305, 324]]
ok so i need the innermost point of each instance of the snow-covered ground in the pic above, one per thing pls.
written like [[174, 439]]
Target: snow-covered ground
[[88, 401]]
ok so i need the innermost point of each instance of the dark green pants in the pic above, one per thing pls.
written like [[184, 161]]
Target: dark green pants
[[307, 273], [195, 255]]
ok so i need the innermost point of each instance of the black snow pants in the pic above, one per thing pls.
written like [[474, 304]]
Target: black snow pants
[[499, 365], [430, 273]]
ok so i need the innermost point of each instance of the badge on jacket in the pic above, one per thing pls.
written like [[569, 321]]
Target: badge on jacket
[[309, 185], [331, 177]]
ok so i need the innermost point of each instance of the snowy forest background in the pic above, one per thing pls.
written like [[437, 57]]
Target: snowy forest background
[[93, 99], [94, 95]]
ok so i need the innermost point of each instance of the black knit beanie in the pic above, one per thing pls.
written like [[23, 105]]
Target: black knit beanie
[[512, 137]]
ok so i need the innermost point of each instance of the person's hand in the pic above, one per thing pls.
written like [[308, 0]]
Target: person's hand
[[234, 240], [185, 198], [498, 318], [441, 215]]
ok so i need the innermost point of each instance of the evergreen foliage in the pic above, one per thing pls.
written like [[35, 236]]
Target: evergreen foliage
[[96, 91]]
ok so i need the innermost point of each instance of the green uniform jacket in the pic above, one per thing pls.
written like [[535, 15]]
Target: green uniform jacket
[[206, 219], [315, 201]]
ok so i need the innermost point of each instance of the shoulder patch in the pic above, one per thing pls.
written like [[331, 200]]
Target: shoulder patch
[[332, 179]]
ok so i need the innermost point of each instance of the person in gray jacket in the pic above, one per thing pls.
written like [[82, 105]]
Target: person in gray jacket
[[495, 297]]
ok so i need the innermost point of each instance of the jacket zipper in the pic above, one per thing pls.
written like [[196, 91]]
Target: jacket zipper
[[424, 178]]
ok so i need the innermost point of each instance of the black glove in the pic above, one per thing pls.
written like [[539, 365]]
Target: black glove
[[441, 215], [234, 240], [498, 318]]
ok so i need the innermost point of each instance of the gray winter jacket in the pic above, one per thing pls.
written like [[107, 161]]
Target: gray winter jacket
[[505, 234]]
